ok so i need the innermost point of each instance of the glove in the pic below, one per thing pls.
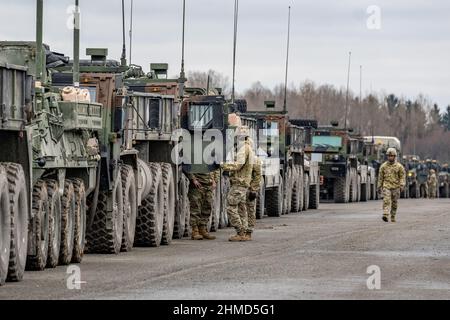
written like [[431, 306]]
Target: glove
[[252, 195]]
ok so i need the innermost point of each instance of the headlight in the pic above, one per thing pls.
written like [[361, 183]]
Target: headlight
[[336, 157], [410, 174]]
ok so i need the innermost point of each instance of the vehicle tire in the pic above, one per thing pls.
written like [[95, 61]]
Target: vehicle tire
[[224, 221], [169, 203], [216, 210], [314, 196], [353, 186], [180, 215], [287, 192], [38, 236], [358, 188], [260, 200], [365, 194], [446, 191], [19, 214], [275, 200], [79, 240], [105, 235], [5, 226], [54, 242], [68, 213], [129, 194], [150, 218], [342, 189], [306, 193], [297, 190]]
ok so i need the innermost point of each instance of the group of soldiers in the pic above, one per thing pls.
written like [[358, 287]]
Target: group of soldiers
[[245, 178], [429, 169]]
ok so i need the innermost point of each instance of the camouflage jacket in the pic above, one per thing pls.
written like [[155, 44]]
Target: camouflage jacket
[[432, 179], [391, 176], [206, 179], [241, 169], [256, 175]]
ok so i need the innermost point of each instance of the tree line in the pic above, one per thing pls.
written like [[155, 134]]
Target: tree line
[[421, 125]]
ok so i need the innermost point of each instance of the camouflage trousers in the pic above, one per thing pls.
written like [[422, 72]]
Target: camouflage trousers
[[425, 192], [251, 213], [237, 208], [432, 190], [390, 201], [201, 206]]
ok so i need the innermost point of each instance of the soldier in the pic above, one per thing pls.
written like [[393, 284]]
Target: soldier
[[391, 182], [432, 184], [240, 178], [252, 195], [201, 195]]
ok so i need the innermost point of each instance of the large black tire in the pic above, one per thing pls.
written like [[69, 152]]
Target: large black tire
[[169, 203], [365, 192], [39, 228], [105, 234], [287, 192], [79, 221], [216, 210], [5, 226], [67, 223], [342, 189], [180, 215], [353, 186], [54, 243], [150, 218], [297, 189], [314, 196], [19, 214], [130, 207], [274, 199], [358, 188], [224, 221], [306, 193], [261, 201]]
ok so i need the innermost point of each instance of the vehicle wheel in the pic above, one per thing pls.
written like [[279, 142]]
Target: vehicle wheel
[[169, 203], [68, 213], [19, 214], [150, 218], [287, 192], [5, 226], [314, 196], [79, 221], [358, 188], [216, 210], [38, 236], [364, 192], [260, 200], [105, 235], [129, 207], [342, 188], [224, 221], [180, 215], [306, 193], [54, 243], [297, 190], [274, 200]]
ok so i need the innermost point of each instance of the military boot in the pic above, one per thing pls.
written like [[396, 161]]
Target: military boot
[[205, 234], [239, 236], [393, 219], [247, 236], [195, 234], [385, 219]]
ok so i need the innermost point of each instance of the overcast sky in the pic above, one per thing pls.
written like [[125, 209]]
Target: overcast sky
[[409, 55]]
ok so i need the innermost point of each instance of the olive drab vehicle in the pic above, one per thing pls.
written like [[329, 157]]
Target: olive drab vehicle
[[412, 183], [289, 177], [338, 152], [49, 139]]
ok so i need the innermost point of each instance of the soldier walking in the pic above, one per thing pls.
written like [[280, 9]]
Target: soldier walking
[[252, 195], [201, 195], [432, 184], [391, 182], [240, 173]]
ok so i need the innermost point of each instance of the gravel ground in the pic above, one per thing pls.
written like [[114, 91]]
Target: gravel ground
[[320, 254]]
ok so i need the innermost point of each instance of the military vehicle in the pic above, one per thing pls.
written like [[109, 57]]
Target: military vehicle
[[444, 182], [290, 178], [51, 154], [371, 156], [412, 162], [338, 152]]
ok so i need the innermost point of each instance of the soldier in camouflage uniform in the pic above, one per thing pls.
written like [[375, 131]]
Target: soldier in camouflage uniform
[[432, 184], [391, 181], [201, 195], [240, 173], [252, 195]]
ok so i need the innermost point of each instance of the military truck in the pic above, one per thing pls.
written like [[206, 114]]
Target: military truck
[[412, 174], [48, 167], [290, 178], [337, 152], [444, 182]]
